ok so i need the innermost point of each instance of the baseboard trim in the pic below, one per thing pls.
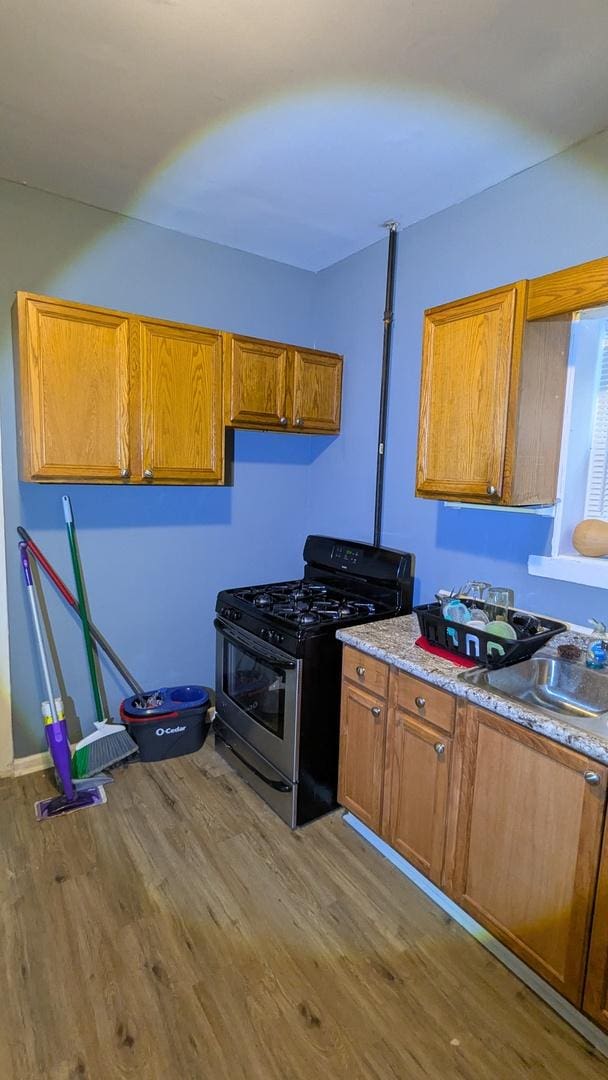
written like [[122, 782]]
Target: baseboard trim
[[31, 764], [572, 1016]]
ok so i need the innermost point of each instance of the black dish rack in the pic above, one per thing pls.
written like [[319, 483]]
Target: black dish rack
[[488, 650]]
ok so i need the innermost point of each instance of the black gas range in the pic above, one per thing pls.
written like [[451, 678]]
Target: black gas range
[[278, 668]]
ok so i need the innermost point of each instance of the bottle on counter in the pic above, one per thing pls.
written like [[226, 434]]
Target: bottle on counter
[[597, 649]]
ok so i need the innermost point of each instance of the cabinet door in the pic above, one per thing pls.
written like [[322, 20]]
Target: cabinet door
[[595, 1001], [415, 804], [468, 352], [528, 845], [74, 379], [257, 388], [362, 739], [317, 389], [181, 395]]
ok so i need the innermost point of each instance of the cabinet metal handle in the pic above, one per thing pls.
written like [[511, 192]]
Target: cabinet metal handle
[[283, 420], [592, 778], [148, 474], [125, 473], [299, 421], [491, 490], [360, 671], [420, 702], [439, 748], [376, 711]]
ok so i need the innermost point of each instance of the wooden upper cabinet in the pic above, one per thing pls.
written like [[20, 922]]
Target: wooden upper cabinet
[[181, 398], [280, 387], [491, 401], [110, 397], [256, 389], [528, 845], [74, 391], [466, 368], [317, 390]]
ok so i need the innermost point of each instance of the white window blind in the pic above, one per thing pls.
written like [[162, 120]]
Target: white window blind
[[596, 501]]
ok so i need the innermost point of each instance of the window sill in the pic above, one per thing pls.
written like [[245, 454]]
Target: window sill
[[576, 568]]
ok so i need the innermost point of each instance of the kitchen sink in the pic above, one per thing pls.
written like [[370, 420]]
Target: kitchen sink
[[561, 688]]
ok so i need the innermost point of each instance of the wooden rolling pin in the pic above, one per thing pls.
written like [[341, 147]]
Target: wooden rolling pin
[[590, 537]]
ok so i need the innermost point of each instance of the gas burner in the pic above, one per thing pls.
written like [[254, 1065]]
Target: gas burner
[[264, 600], [361, 608], [325, 607], [346, 611], [307, 618]]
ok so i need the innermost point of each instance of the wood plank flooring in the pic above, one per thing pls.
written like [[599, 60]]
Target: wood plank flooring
[[182, 932]]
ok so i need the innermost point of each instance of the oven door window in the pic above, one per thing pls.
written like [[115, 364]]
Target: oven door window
[[255, 685]]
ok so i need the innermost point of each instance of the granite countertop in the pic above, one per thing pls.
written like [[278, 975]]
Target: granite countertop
[[393, 641]]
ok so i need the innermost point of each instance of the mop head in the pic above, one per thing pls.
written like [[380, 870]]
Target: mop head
[[109, 744], [60, 804]]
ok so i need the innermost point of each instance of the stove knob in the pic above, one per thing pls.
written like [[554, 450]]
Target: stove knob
[[264, 633], [279, 637], [225, 612], [236, 616]]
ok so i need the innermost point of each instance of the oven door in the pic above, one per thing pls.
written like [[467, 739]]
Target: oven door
[[258, 694]]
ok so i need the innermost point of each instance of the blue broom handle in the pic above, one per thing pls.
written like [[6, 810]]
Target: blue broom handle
[[29, 584]]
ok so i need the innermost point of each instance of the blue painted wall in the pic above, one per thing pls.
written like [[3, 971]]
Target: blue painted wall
[[551, 216], [154, 558]]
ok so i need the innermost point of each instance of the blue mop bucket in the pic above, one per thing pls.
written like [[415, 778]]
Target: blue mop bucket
[[169, 722]]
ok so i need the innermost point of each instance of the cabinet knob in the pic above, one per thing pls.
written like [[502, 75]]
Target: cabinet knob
[[592, 778], [299, 421], [376, 711], [420, 702], [360, 671], [439, 748], [282, 421], [148, 474], [125, 473], [491, 490]]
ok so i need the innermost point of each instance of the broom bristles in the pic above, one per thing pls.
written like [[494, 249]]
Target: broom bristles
[[106, 749]]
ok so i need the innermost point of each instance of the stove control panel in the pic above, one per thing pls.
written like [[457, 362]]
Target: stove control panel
[[346, 556]]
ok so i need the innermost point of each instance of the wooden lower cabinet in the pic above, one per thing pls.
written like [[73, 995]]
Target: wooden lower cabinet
[[418, 759], [528, 845], [362, 747], [595, 1001], [507, 822]]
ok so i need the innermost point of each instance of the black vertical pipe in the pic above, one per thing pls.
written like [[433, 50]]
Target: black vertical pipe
[[386, 361]]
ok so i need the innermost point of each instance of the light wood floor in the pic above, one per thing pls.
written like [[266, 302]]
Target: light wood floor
[[183, 932]]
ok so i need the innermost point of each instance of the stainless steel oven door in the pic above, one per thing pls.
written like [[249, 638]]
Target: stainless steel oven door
[[258, 694]]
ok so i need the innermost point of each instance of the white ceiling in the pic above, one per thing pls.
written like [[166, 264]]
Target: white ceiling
[[293, 128]]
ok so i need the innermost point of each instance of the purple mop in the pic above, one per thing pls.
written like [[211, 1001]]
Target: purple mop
[[73, 798]]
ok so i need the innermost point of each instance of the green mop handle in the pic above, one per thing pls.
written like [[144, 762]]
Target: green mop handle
[[88, 643]]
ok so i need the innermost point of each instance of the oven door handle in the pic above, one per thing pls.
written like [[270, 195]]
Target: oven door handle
[[277, 785], [254, 644]]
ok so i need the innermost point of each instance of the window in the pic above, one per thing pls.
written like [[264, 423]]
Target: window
[[596, 500], [583, 480]]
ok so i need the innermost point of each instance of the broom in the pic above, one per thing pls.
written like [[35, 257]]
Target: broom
[[109, 743]]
